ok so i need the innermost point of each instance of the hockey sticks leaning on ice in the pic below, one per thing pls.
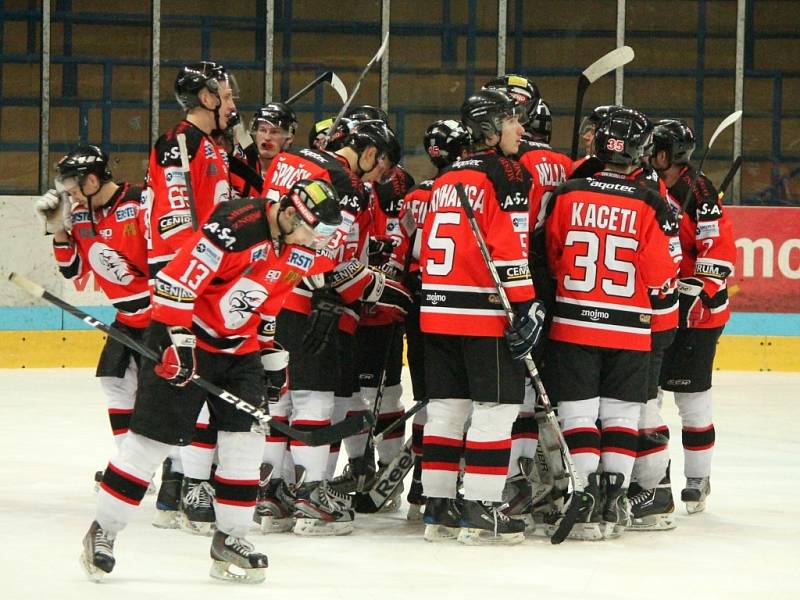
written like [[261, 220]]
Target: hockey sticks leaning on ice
[[568, 521], [602, 66], [378, 55], [187, 176], [320, 437], [727, 122]]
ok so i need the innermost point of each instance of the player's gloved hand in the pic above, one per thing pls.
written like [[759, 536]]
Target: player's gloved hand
[[275, 361], [178, 360], [379, 249], [388, 296], [691, 302], [525, 330], [53, 210], [326, 308]]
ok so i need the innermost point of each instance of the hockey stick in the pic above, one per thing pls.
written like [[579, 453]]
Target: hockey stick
[[602, 66], [727, 122], [533, 373], [372, 500], [328, 77], [187, 176], [400, 420], [321, 437], [378, 55], [729, 177]]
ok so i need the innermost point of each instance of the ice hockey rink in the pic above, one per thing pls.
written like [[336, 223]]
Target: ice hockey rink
[[55, 435]]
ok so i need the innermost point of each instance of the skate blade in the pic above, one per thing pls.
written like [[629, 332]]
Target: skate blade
[[662, 522], [392, 505], [94, 574], [612, 531], [414, 512], [540, 530], [226, 571], [587, 532], [440, 533], [195, 527], [695, 507], [166, 519], [151, 488], [318, 527], [482, 537], [270, 524]]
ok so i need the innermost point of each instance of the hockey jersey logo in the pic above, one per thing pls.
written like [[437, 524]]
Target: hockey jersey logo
[[111, 265], [241, 301], [173, 222]]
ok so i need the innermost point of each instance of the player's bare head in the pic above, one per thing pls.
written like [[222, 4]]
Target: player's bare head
[[309, 213], [207, 85], [623, 138], [83, 172], [494, 120], [273, 127], [673, 143], [445, 141]]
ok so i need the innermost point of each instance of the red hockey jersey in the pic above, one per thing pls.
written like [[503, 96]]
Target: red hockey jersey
[[167, 197], [548, 169], [458, 293], [115, 250], [608, 242], [227, 276]]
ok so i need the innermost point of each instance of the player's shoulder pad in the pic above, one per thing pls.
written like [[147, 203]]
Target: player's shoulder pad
[[586, 168], [353, 197], [511, 182], [664, 216], [391, 191], [526, 146], [132, 192], [166, 147], [704, 204], [238, 224]]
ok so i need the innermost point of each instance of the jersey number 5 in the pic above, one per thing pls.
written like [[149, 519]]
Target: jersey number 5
[[588, 261], [444, 243]]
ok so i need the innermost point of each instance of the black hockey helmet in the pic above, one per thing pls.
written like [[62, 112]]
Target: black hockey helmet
[[622, 137], [194, 77], [367, 112], [598, 114], [316, 205], [483, 113], [362, 134], [82, 161], [444, 142], [677, 138], [276, 114], [523, 90], [540, 123]]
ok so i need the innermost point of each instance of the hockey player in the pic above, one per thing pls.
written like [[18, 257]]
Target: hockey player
[[607, 242], [98, 227], [463, 323], [708, 255], [248, 254], [318, 321], [205, 91], [273, 127]]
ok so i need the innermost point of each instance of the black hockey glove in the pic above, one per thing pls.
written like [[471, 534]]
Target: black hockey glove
[[380, 249], [326, 308], [413, 283], [389, 297], [275, 362], [178, 358], [525, 331]]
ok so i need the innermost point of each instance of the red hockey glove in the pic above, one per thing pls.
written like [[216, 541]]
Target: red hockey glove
[[178, 359]]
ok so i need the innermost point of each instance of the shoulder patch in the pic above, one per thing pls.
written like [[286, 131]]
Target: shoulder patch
[[166, 147], [238, 224]]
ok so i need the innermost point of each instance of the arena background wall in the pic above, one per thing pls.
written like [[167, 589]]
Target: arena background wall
[[695, 59]]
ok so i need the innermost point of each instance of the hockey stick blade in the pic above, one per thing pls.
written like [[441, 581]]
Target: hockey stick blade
[[187, 177], [615, 59], [727, 122], [320, 437], [373, 499], [577, 505], [338, 86], [378, 55], [328, 77]]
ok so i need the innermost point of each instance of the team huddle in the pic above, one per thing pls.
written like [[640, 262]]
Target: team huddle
[[290, 276]]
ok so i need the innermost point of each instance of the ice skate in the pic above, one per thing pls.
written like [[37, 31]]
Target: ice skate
[[97, 557], [234, 559], [442, 519], [347, 482], [321, 510], [485, 523], [197, 511], [416, 501], [695, 493], [517, 499], [590, 527], [653, 509], [168, 501], [616, 509], [273, 513]]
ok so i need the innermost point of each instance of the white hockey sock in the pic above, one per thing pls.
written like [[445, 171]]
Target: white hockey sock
[[354, 445], [236, 481], [652, 454], [579, 424], [524, 433], [487, 451], [442, 445], [620, 435], [276, 443], [126, 480], [341, 405], [121, 394], [698, 433], [311, 410], [198, 456], [391, 410]]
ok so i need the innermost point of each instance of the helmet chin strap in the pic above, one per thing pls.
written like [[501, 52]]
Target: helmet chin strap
[[89, 202]]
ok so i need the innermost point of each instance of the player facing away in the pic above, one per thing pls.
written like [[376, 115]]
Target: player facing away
[[248, 254], [709, 252], [608, 241], [98, 227], [463, 323]]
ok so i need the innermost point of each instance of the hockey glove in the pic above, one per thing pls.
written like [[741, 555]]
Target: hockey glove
[[691, 307], [388, 296], [275, 362], [53, 210], [380, 249], [178, 360], [525, 331], [326, 308]]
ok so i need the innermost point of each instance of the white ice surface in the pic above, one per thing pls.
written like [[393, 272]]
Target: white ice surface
[[54, 434]]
